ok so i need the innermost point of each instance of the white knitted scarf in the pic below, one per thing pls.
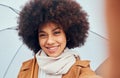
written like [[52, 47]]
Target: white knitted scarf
[[55, 67]]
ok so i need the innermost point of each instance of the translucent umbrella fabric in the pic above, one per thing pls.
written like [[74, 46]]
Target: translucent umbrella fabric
[[13, 52]]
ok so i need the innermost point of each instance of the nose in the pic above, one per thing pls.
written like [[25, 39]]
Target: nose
[[50, 40]]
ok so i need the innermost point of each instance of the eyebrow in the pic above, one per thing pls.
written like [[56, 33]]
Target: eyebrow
[[52, 30], [56, 28]]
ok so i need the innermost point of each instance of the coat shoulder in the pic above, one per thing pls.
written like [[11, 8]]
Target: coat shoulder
[[26, 69], [27, 64], [83, 63], [85, 70]]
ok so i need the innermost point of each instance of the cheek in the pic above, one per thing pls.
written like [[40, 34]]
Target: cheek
[[62, 39], [41, 42]]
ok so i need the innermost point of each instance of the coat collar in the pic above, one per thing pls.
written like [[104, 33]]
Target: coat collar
[[31, 67]]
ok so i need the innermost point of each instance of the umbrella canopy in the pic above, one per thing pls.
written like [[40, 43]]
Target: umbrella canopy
[[13, 52]]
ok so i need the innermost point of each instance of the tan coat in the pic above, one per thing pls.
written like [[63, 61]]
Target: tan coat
[[80, 69]]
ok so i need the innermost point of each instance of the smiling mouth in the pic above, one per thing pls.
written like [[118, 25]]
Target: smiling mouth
[[52, 49]]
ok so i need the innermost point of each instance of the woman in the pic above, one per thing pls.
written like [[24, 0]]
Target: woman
[[51, 28]]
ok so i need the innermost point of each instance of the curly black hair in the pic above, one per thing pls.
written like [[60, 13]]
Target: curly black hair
[[67, 13]]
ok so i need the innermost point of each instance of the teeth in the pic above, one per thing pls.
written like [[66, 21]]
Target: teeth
[[52, 48]]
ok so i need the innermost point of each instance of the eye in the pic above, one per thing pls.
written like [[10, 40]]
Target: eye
[[57, 32], [42, 35]]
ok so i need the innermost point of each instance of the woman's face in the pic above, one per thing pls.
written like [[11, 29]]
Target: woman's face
[[52, 39]]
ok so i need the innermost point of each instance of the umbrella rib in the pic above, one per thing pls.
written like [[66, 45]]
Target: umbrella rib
[[98, 35], [10, 28], [14, 10], [12, 61]]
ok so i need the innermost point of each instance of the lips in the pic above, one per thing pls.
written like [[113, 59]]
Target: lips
[[52, 49]]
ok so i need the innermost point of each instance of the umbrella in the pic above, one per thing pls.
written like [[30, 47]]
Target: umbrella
[[13, 52]]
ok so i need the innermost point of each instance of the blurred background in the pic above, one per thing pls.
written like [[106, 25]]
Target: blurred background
[[13, 52]]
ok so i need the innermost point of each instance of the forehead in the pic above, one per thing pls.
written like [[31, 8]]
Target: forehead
[[49, 25]]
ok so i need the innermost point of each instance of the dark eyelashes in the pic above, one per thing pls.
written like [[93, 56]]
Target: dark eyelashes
[[57, 32]]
